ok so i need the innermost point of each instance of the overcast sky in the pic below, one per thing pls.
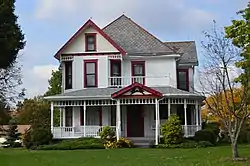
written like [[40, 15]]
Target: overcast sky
[[48, 24]]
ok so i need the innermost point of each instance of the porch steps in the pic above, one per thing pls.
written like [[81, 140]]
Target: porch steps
[[141, 142]]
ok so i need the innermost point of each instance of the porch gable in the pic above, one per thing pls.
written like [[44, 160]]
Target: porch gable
[[136, 90]]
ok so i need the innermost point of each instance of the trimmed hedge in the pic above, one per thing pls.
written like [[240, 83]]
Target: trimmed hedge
[[74, 144], [205, 135], [187, 145]]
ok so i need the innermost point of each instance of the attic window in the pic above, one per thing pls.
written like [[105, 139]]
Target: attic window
[[90, 42]]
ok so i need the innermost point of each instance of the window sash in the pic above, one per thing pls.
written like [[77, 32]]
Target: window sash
[[90, 42], [90, 74]]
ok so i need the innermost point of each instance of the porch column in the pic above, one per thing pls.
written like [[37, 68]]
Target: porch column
[[197, 113], [51, 116], [60, 117], [169, 108], [84, 118], [64, 117], [199, 110], [118, 119], [156, 122], [73, 121], [185, 116]]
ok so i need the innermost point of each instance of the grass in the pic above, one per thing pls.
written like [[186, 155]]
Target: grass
[[123, 157]]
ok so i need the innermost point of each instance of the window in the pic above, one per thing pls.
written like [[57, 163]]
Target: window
[[115, 72], [68, 75], [90, 70], [138, 71], [163, 109], [68, 117], [182, 78], [90, 42], [93, 116]]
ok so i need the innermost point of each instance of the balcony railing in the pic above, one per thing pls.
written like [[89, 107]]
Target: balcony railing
[[146, 80]]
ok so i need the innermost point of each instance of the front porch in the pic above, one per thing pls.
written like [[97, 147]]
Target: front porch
[[130, 118]]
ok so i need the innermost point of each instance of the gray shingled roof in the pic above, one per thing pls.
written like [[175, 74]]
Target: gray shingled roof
[[107, 92], [133, 38], [187, 50]]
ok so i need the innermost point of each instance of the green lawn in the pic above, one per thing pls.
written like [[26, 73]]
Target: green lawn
[[122, 157]]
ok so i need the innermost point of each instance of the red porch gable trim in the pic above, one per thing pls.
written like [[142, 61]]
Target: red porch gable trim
[[93, 25], [121, 92]]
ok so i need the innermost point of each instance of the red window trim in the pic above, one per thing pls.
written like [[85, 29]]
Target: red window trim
[[133, 71], [67, 77], [86, 44], [96, 72], [187, 77], [111, 66]]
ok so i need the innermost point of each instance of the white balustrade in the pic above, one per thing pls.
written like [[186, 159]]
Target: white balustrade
[[147, 80], [77, 132]]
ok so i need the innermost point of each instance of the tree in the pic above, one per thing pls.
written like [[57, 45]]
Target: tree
[[4, 113], [239, 32], [55, 83], [12, 134], [11, 36], [217, 81]]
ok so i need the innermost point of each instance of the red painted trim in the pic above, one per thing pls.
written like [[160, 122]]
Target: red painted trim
[[100, 116], [133, 63], [187, 77], [96, 72], [89, 23], [111, 66], [86, 43], [91, 54], [120, 93]]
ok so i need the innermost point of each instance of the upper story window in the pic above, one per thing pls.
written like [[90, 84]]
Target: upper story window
[[90, 73], [90, 42], [68, 75], [138, 71], [183, 79], [115, 72]]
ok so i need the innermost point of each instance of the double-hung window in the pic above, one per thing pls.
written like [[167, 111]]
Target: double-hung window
[[90, 42], [183, 80], [68, 75], [90, 73], [138, 71]]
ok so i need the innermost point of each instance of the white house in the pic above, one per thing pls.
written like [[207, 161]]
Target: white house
[[124, 77]]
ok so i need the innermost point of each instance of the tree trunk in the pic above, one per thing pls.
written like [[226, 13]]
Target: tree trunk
[[235, 150]]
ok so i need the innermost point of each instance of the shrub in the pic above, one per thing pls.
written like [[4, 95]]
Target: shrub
[[203, 144], [172, 131], [74, 144], [205, 135], [107, 133], [37, 137], [215, 127], [124, 143]]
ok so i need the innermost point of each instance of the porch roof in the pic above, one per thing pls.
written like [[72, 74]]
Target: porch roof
[[105, 93]]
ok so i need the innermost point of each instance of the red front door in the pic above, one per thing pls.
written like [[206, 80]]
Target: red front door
[[135, 121]]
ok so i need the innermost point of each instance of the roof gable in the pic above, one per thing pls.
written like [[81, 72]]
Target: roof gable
[[133, 38], [136, 89], [88, 24]]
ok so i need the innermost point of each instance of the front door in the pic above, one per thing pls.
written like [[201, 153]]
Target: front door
[[135, 121]]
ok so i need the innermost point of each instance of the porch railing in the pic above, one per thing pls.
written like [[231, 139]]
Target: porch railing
[[188, 130], [125, 81], [77, 132]]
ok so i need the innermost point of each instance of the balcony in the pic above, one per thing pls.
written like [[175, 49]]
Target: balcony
[[145, 80]]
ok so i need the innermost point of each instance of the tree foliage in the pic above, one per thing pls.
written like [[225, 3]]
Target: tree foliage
[[55, 83], [239, 32], [4, 112], [11, 36], [12, 134]]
